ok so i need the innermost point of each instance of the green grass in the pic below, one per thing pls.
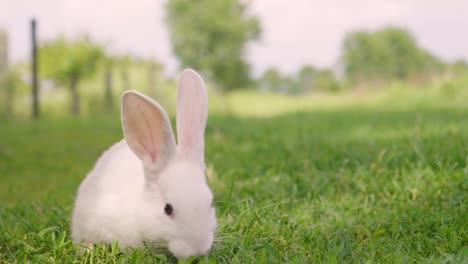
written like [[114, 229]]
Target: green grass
[[383, 181]]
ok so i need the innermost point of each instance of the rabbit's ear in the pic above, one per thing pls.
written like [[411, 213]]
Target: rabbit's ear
[[192, 112], [147, 130]]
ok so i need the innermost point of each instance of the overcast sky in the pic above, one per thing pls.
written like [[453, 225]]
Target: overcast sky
[[295, 32]]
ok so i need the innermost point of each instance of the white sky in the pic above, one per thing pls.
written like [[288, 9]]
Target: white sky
[[295, 32]]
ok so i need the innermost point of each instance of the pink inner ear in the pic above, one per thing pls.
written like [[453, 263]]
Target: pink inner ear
[[152, 134], [144, 125], [153, 155], [191, 115]]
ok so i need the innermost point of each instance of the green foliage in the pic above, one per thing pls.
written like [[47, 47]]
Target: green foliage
[[460, 67], [68, 62], [10, 86], [345, 183], [3, 52], [390, 53], [307, 80], [124, 63], [271, 80], [62, 59], [325, 81], [211, 35]]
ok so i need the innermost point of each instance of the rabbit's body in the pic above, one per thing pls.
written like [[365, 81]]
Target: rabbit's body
[[146, 188], [111, 193]]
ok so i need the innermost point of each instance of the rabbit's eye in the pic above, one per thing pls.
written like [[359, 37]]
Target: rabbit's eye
[[168, 209]]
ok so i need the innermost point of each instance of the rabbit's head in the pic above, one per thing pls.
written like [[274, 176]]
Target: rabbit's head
[[177, 202]]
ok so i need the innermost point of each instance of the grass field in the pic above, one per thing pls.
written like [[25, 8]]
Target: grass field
[[350, 182]]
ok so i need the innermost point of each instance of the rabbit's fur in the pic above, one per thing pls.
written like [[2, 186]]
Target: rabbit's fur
[[124, 198]]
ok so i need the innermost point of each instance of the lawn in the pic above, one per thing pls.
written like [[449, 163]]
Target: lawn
[[349, 182]]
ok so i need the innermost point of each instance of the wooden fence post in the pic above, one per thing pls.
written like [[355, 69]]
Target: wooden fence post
[[35, 81]]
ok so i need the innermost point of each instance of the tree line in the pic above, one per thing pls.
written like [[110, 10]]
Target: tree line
[[368, 58], [211, 36]]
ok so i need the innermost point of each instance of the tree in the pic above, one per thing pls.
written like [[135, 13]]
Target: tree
[[358, 55], [11, 84], [3, 54], [390, 53], [306, 78], [124, 63], [325, 80], [460, 67], [67, 62], [271, 80], [109, 63], [211, 35], [290, 85]]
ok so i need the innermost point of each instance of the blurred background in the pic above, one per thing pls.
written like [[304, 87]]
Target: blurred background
[[89, 51], [337, 132]]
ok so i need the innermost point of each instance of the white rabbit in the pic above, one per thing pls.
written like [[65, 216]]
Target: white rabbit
[[146, 188]]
